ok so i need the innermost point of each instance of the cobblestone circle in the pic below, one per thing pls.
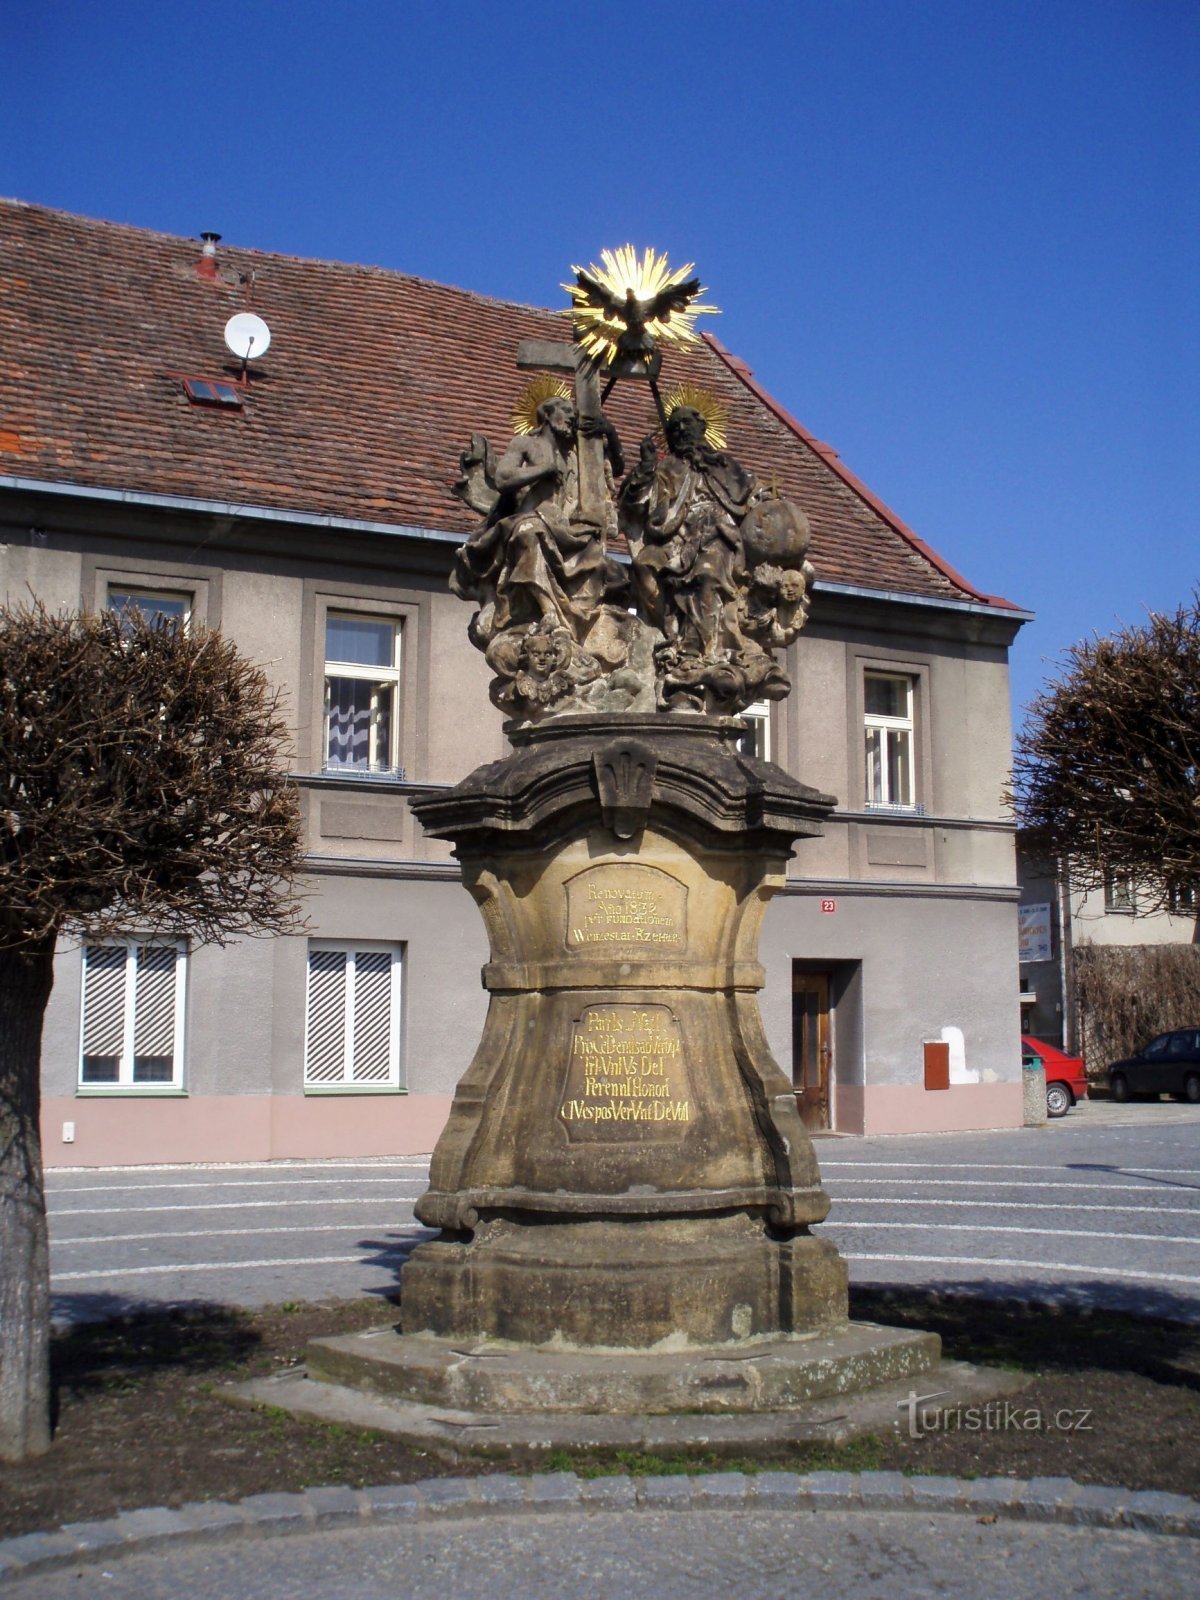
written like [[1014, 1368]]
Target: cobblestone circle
[[1038, 1500]]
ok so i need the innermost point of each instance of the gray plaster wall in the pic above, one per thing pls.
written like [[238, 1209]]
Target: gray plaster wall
[[245, 1003], [926, 964]]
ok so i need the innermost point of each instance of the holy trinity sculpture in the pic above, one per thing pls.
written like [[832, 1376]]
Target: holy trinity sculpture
[[717, 582]]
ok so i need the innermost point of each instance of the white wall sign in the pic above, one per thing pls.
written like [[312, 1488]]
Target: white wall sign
[[1033, 933]]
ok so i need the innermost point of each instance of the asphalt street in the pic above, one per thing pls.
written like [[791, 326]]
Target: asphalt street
[[677, 1555], [1100, 1208]]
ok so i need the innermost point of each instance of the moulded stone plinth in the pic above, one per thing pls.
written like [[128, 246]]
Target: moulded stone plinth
[[495, 1377], [631, 1281]]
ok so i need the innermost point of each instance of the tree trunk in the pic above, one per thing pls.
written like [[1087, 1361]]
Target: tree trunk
[[26, 975]]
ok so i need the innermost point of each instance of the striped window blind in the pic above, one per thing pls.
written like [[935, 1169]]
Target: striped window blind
[[132, 1023], [352, 1020]]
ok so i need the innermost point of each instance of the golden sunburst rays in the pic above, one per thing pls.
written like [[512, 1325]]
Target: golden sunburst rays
[[535, 393], [631, 302], [714, 411]]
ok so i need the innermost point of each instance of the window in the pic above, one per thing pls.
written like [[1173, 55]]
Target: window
[[132, 1027], [160, 609], [888, 716], [362, 693], [756, 741], [212, 392], [352, 1017], [1184, 900], [1118, 892]]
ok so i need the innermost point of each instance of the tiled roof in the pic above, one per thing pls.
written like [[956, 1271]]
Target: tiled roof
[[372, 386]]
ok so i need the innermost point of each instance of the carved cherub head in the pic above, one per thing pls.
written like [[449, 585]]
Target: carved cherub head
[[542, 654], [791, 587]]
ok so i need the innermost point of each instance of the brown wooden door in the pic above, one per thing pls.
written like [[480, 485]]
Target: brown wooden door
[[811, 1047]]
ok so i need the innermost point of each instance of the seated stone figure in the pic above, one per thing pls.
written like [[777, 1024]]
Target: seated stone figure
[[538, 566], [718, 568], [539, 554]]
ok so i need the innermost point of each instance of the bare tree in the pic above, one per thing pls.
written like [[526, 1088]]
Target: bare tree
[[1107, 770], [141, 791]]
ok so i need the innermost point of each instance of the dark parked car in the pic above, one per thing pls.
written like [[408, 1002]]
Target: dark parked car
[[1066, 1076], [1169, 1064]]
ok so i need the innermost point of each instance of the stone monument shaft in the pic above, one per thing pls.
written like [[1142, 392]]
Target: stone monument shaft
[[624, 1162]]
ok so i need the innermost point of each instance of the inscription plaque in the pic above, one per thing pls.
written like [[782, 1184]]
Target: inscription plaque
[[618, 904], [626, 1076]]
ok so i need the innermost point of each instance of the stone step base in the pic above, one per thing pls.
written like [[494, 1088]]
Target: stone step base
[[522, 1438], [493, 1376]]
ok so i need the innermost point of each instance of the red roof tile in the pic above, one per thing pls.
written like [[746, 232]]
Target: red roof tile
[[372, 386]]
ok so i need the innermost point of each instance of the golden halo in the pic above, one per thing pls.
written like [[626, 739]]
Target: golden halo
[[599, 326], [715, 412], [535, 393]]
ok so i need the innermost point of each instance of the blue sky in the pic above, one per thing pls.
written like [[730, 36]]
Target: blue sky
[[959, 239]]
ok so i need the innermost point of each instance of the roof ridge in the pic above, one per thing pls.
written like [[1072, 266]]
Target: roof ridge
[[278, 255], [830, 457]]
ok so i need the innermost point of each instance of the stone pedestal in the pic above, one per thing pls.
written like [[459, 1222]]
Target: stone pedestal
[[624, 1189], [624, 1163]]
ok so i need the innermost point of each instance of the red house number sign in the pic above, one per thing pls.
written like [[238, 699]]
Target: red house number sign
[[829, 906]]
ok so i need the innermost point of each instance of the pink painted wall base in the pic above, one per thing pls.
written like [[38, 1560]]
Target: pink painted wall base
[[130, 1132], [911, 1108]]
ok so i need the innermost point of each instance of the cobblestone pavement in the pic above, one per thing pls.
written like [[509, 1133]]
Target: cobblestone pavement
[[552, 1535], [1101, 1208]]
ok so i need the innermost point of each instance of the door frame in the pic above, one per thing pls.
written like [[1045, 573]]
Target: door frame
[[813, 1036]]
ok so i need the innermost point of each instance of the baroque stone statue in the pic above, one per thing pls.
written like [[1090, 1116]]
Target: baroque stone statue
[[719, 569], [717, 583], [553, 622]]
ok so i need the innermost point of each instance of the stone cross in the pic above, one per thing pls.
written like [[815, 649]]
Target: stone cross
[[547, 355]]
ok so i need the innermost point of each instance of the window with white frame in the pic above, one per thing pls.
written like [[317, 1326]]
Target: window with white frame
[[1118, 892], [888, 718], [756, 741], [1183, 900], [352, 1016], [362, 693], [132, 1015], [161, 608]]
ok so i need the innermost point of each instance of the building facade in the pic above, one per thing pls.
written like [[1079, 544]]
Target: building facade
[[303, 508], [1056, 916]]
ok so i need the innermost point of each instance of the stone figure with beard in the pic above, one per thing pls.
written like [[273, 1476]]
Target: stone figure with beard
[[539, 555], [700, 527], [539, 564]]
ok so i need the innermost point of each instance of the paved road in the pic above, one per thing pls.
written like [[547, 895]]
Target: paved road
[[1102, 1207], [1099, 1208], [261, 1233], [655, 1555]]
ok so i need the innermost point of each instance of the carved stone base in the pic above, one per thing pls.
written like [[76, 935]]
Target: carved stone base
[[635, 1283]]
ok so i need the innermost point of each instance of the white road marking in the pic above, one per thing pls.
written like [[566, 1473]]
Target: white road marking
[[210, 1266], [1012, 1183], [1012, 1205], [1031, 1266], [309, 1165], [990, 1228], [1022, 1166], [237, 1183], [220, 1205], [236, 1233]]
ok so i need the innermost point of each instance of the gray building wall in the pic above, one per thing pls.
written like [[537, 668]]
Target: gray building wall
[[921, 944]]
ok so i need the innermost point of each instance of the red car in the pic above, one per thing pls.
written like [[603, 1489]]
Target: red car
[[1066, 1076]]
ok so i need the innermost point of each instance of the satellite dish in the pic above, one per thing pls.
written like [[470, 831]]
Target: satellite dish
[[247, 336]]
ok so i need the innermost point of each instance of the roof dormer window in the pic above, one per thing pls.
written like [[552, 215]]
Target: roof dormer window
[[213, 392]]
